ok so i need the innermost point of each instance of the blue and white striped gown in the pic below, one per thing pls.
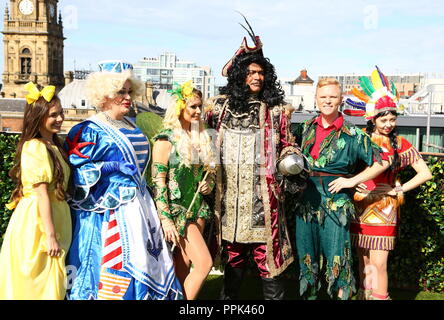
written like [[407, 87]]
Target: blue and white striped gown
[[141, 146], [118, 249]]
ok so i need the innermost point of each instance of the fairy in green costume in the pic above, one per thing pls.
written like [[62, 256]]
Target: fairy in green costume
[[182, 161], [182, 184]]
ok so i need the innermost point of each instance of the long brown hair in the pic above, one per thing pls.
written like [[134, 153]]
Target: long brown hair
[[34, 116]]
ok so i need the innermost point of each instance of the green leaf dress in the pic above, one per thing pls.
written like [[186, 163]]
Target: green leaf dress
[[182, 182]]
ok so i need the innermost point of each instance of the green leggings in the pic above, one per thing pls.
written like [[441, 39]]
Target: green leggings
[[330, 242]]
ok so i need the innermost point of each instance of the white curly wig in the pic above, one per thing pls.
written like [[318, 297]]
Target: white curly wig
[[102, 85]]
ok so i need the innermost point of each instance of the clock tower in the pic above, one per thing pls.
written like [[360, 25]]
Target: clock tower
[[33, 46]]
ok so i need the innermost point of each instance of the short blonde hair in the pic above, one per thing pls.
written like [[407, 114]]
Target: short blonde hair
[[102, 85], [328, 82]]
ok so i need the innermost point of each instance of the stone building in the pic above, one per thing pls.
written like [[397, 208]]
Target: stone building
[[303, 79], [300, 92], [33, 51], [33, 46]]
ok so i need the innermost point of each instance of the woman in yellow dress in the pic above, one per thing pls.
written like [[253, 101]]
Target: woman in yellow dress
[[32, 257]]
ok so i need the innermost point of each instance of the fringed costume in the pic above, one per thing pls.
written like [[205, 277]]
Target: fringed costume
[[374, 228], [378, 214]]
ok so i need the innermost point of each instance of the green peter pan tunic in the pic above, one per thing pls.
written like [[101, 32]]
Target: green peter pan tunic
[[344, 152], [322, 218]]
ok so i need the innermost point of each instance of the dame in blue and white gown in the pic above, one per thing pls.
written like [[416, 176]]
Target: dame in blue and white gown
[[118, 249]]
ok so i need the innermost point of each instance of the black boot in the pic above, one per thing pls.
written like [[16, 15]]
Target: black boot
[[232, 281], [273, 289]]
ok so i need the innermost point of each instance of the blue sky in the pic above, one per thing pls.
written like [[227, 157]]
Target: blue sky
[[341, 36]]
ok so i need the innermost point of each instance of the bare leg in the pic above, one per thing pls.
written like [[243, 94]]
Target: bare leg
[[364, 262], [378, 260], [182, 265], [365, 285], [194, 249], [182, 262]]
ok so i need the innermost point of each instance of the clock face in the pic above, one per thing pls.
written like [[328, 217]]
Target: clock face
[[26, 7]]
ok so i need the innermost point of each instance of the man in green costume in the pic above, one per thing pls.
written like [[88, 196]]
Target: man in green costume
[[335, 150]]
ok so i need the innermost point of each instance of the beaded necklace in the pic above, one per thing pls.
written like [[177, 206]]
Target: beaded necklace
[[125, 124]]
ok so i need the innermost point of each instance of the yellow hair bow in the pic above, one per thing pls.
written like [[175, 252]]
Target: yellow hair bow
[[34, 94]]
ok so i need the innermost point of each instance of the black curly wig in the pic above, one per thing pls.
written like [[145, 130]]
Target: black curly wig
[[239, 92]]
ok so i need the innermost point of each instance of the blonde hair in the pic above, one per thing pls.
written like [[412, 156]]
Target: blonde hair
[[102, 85], [200, 141], [328, 82]]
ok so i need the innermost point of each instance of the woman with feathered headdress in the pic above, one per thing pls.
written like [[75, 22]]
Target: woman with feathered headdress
[[377, 201]]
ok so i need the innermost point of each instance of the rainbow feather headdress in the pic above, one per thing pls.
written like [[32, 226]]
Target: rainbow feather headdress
[[378, 95]]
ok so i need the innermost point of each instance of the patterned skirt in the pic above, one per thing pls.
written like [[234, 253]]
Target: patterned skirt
[[376, 223]]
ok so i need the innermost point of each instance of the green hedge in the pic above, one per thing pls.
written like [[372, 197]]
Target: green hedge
[[416, 262], [8, 143], [418, 259]]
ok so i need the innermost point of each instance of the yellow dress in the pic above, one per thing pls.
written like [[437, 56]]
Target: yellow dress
[[27, 272]]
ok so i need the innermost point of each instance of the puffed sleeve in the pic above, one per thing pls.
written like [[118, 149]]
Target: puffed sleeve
[[89, 147], [213, 110], [82, 145], [36, 164]]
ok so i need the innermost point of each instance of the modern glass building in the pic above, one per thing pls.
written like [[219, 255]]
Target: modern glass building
[[166, 69]]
